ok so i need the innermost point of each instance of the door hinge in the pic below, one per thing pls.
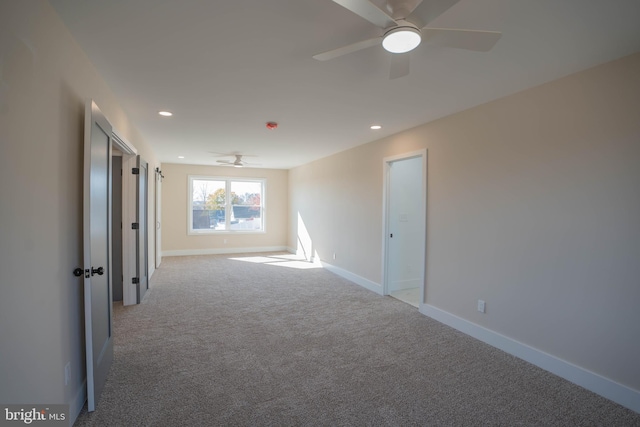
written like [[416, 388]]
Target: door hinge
[[135, 171], [135, 280], [135, 226]]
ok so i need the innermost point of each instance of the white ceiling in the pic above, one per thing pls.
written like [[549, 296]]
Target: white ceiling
[[225, 68]]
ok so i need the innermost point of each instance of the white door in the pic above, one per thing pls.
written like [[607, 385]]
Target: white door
[[143, 236], [405, 226], [158, 226], [97, 251]]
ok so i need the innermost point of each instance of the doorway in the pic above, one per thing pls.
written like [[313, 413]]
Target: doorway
[[109, 203], [142, 240], [158, 224], [405, 227], [125, 157], [116, 220]]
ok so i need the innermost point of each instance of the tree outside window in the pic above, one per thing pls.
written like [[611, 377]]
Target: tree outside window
[[213, 211]]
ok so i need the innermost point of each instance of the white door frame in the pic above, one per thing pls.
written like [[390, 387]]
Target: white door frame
[[158, 214], [129, 293], [142, 218], [385, 216]]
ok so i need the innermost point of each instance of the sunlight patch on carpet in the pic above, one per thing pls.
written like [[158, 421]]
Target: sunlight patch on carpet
[[289, 261]]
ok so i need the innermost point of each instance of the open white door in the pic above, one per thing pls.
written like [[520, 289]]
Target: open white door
[[97, 251], [142, 235], [158, 225]]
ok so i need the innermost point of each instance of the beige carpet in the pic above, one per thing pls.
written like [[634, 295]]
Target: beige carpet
[[244, 342]]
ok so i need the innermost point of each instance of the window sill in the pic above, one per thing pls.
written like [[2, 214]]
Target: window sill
[[224, 232]]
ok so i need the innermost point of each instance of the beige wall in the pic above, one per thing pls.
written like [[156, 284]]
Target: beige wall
[[176, 240], [45, 79], [533, 206]]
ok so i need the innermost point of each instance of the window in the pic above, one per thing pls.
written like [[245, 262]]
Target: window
[[218, 204]]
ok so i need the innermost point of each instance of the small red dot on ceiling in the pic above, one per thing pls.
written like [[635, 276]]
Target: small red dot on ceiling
[[272, 125]]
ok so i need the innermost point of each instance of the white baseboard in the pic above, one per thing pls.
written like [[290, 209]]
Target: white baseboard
[[359, 280], [219, 251], [77, 403], [598, 384]]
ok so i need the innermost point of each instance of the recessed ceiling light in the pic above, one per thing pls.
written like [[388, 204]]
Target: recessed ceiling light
[[376, 127], [165, 113], [181, 157]]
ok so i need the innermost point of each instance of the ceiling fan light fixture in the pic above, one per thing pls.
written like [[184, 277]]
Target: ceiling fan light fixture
[[401, 39]]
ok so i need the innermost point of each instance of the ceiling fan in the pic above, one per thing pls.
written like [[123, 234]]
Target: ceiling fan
[[238, 162], [406, 25]]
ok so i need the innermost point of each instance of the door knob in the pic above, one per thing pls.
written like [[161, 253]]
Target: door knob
[[99, 271]]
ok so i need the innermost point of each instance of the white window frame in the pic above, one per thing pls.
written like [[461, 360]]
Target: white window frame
[[228, 180]]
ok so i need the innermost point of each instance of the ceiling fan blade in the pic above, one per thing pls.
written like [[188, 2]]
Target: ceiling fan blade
[[400, 63], [429, 10], [231, 154], [479, 41], [369, 11], [324, 56]]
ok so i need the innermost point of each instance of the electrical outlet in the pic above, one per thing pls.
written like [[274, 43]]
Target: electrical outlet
[[67, 373], [334, 255], [481, 306], [225, 240]]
